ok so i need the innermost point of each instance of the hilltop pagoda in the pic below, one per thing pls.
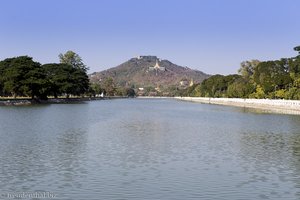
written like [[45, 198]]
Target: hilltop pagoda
[[156, 67]]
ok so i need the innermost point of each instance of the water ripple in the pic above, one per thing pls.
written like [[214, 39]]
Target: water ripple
[[149, 149]]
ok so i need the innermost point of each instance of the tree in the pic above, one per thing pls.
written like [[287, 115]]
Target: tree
[[58, 77], [280, 93], [240, 88], [72, 59], [130, 92], [259, 93], [247, 68], [297, 48], [22, 76], [109, 86], [272, 74], [35, 83], [65, 79], [294, 67], [78, 82], [213, 85], [3, 65], [217, 85], [192, 91], [95, 89]]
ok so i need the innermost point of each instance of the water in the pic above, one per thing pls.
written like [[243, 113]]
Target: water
[[149, 149]]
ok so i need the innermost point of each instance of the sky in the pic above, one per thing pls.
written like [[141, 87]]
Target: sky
[[213, 36]]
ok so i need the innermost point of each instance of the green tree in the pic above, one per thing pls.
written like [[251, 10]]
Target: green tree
[[22, 76], [240, 88], [247, 68], [3, 65], [272, 74], [35, 83], [280, 93], [96, 88], [294, 67], [259, 93], [59, 78], [72, 59], [65, 79], [212, 86], [297, 48], [109, 86], [194, 91], [78, 82], [217, 85]]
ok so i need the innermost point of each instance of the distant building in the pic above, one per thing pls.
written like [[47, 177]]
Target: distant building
[[184, 82], [157, 89], [157, 68], [191, 83], [140, 92]]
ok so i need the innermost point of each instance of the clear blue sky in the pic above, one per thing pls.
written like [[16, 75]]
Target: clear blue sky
[[210, 35]]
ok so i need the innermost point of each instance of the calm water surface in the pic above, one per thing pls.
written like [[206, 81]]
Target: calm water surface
[[149, 149]]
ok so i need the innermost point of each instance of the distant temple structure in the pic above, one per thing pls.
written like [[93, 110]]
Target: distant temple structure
[[191, 83], [185, 82], [156, 67]]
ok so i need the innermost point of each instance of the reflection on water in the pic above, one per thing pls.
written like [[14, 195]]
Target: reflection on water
[[272, 110], [149, 149]]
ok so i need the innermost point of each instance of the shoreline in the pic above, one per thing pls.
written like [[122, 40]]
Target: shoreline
[[265, 105], [153, 97], [28, 101], [279, 106]]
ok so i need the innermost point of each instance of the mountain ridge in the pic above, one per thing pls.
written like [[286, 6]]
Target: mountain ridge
[[150, 71]]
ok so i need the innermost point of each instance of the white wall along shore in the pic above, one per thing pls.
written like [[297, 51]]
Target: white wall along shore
[[276, 105]]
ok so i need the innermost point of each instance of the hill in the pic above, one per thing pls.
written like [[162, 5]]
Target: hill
[[150, 72]]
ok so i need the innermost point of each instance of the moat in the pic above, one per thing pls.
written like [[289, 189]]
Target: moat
[[149, 149]]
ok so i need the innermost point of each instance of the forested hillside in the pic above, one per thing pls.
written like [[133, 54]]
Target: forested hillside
[[139, 72]]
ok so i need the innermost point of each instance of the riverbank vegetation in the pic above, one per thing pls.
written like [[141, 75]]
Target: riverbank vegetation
[[23, 77], [275, 79]]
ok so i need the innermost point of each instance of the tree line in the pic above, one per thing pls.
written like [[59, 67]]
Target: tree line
[[275, 79], [108, 87], [23, 77]]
